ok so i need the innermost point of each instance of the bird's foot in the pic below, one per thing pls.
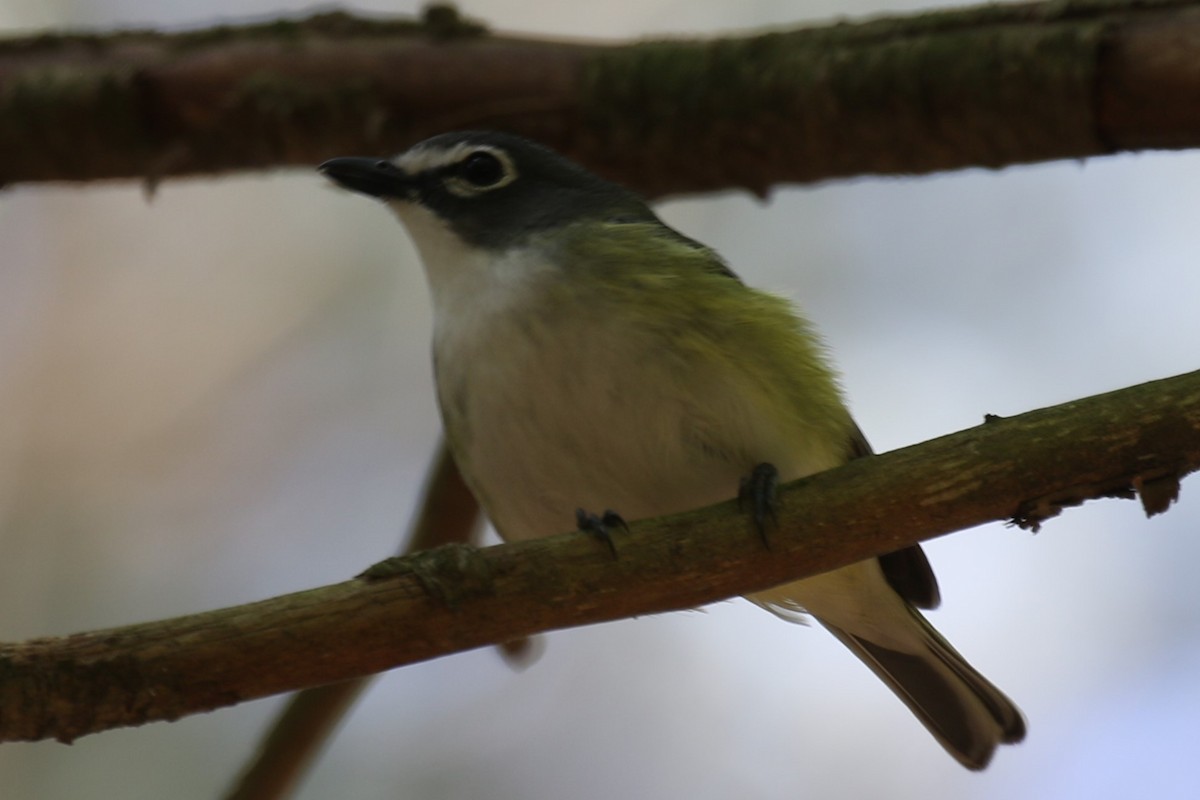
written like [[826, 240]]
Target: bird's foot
[[600, 526], [757, 491]]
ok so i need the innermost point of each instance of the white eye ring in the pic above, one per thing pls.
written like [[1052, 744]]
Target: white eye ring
[[492, 169]]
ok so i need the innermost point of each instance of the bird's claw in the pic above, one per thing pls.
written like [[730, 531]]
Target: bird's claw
[[600, 526], [757, 491]]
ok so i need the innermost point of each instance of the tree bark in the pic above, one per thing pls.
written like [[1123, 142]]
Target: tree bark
[[987, 86]]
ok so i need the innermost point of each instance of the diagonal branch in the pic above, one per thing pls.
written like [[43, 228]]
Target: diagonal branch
[[449, 513], [985, 86], [1141, 439]]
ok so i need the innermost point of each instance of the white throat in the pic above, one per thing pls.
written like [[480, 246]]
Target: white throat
[[469, 284]]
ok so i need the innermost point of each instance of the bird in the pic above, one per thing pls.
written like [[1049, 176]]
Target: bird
[[588, 356]]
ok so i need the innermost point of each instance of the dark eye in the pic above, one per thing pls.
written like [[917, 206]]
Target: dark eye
[[481, 169]]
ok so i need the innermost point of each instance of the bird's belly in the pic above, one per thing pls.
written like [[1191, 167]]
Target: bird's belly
[[536, 456], [587, 413]]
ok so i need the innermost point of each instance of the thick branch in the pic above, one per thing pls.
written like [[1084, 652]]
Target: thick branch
[[986, 86], [456, 597]]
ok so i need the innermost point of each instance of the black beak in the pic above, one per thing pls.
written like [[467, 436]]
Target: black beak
[[374, 176]]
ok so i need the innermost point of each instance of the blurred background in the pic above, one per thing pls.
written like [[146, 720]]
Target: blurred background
[[223, 394]]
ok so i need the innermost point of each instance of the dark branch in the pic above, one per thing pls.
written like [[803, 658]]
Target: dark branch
[[987, 86], [456, 597]]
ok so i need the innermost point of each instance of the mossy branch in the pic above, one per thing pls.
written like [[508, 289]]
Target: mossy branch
[[985, 86], [1025, 469]]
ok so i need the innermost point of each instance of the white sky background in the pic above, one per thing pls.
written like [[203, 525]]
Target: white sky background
[[224, 394]]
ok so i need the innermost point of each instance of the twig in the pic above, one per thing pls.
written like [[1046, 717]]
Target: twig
[[448, 514]]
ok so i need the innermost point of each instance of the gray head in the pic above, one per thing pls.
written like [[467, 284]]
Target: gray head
[[494, 190]]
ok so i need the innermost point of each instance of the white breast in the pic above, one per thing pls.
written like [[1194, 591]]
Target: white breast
[[549, 412]]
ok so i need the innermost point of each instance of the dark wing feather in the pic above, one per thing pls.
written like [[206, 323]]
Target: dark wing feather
[[907, 571]]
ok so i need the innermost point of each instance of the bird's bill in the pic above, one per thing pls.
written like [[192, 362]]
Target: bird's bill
[[376, 177]]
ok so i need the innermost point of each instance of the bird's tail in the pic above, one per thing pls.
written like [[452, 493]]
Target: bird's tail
[[968, 715]]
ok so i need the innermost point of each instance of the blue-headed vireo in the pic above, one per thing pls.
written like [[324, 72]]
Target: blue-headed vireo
[[589, 356]]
